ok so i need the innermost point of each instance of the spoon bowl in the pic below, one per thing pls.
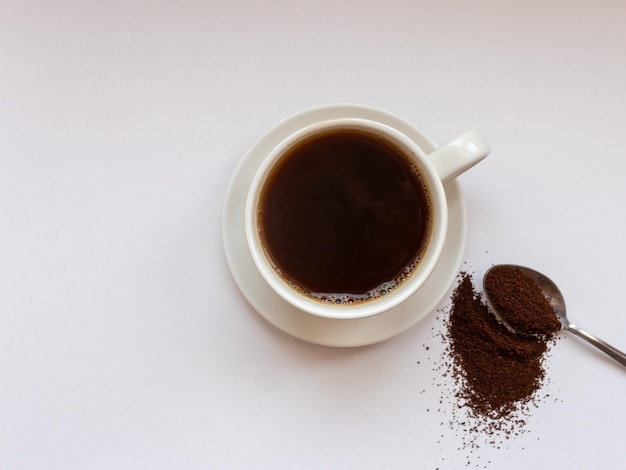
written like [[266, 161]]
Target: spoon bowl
[[557, 302]]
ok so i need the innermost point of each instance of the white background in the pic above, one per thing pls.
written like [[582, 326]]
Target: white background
[[124, 341]]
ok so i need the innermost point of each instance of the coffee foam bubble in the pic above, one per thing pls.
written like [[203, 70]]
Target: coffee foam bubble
[[347, 299]]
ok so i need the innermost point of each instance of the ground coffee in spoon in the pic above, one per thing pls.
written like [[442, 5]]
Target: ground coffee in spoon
[[519, 301]]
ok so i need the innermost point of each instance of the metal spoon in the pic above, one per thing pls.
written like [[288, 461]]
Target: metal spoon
[[557, 302]]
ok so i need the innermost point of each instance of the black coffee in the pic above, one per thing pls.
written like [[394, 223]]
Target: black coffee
[[345, 216]]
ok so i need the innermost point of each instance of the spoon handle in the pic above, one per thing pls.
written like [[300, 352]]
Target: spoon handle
[[615, 353]]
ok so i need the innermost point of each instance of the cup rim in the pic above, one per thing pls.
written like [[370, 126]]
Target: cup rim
[[360, 309]]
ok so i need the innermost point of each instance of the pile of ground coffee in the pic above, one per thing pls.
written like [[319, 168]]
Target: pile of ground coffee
[[491, 378], [499, 370], [519, 301]]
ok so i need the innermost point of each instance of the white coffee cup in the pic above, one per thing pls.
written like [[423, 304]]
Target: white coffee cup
[[435, 169]]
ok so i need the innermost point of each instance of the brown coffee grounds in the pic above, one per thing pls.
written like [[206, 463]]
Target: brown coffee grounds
[[519, 301], [491, 378], [499, 370]]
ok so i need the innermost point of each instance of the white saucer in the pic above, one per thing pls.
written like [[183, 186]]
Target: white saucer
[[325, 331]]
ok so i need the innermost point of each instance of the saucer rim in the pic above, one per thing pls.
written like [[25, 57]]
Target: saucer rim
[[322, 330]]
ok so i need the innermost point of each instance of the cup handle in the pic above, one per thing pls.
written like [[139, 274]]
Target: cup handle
[[459, 155]]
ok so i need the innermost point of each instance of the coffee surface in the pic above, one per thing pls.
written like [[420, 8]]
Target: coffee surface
[[344, 214]]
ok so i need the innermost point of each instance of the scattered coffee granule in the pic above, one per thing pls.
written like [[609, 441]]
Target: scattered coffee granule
[[519, 301], [491, 377]]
